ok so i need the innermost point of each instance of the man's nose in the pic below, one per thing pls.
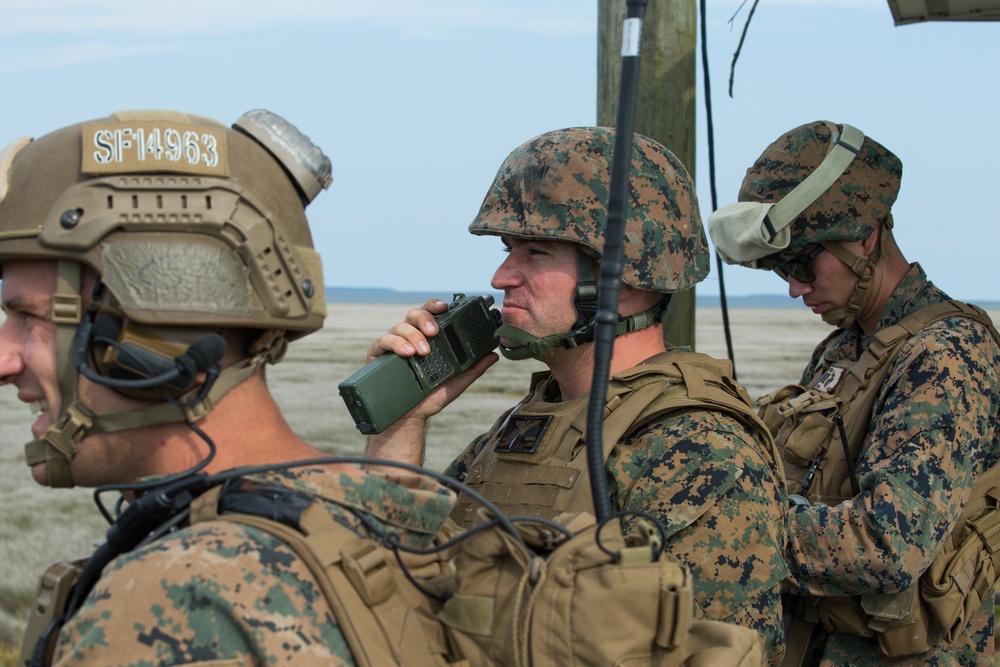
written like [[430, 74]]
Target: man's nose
[[506, 275], [797, 288], [11, 360]]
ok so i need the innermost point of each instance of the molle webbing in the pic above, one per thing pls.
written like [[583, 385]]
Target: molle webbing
[[383, 617], [856, 392], [544, 480]]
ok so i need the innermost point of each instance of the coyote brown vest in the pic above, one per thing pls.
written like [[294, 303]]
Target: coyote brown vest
[[534, 460], [592, 598], [819, 454]]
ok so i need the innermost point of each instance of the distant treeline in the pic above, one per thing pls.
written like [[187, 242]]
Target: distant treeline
[[386, 295]]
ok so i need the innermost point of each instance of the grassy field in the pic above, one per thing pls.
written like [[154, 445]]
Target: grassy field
[[41, 526]]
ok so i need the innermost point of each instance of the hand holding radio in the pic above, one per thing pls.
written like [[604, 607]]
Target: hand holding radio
[[391, 385]]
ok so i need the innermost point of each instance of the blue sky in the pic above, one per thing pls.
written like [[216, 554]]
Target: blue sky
[[418, 103]]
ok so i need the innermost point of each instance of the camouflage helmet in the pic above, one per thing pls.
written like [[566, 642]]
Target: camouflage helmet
[[186, 221], [850, 210], [556, 187]]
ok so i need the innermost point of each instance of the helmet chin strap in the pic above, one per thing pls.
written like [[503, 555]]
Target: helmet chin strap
[[529, 346], [59, 444], [864, 268]]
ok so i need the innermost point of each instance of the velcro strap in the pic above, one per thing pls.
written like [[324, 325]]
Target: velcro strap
[[34, 452], [797, 404], [469, 614], [676, 604], [988, 528]]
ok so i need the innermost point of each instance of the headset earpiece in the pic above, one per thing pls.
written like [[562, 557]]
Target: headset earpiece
[[144, 361]]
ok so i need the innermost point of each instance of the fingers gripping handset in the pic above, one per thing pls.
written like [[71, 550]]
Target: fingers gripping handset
[[391, 385]]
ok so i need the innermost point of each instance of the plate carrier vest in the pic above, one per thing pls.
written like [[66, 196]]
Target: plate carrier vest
[[836, 408], [535, 454]]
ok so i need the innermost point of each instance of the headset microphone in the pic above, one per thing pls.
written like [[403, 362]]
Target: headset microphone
[[203, 354]]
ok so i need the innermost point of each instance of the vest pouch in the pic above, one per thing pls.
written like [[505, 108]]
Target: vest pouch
[[898, 621], [837, 614], [715, 644], [581, 605], [767, 406], [807, 426], [478, 616], [959, 580]]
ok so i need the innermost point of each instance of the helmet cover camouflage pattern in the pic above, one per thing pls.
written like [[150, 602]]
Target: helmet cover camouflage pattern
[[850, 210], [556, 186]]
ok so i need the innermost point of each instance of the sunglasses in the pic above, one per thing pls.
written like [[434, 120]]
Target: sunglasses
[[800, 267]]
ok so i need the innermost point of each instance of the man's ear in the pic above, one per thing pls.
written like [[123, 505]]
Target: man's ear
[[632, 300], [868, 243]]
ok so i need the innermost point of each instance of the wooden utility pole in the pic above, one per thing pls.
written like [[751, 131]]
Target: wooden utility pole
[[665, 108]]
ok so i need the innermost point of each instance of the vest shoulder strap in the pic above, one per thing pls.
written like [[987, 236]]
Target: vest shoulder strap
[[383, 618], [860, 386], [689, 380], [872, 366]]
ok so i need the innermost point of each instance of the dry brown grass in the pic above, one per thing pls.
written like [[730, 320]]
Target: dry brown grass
[[8, 654]]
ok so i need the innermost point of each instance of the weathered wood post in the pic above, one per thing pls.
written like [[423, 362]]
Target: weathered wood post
[[666, 103]]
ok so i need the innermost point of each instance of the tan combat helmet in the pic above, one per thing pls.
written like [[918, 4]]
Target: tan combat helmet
[[190, 226], [555, 187]]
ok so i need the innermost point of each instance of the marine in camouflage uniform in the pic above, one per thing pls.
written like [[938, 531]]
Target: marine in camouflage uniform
[[932, 430], [705, 473], [153, 263], [224, 593]]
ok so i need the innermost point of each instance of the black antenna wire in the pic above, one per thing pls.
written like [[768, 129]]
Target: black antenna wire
[[609, 280], [710, 128]]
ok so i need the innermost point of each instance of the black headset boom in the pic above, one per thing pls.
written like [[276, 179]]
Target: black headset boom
[[202, 355]]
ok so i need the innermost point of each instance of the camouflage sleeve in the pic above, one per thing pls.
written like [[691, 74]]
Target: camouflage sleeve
[[459, 468], [932, 432], [215, 592], [721, 503]]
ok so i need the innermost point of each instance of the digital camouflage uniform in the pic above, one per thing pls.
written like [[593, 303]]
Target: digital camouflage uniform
[[933, 431], [699, 472], [223, 593], [718, 494]]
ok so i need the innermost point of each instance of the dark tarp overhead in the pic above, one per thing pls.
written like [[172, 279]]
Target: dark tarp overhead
[[915, 11]]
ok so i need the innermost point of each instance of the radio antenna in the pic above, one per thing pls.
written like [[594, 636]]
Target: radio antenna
[[609, 278]]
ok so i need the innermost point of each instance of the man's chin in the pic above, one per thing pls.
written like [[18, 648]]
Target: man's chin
[[40, 473]]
